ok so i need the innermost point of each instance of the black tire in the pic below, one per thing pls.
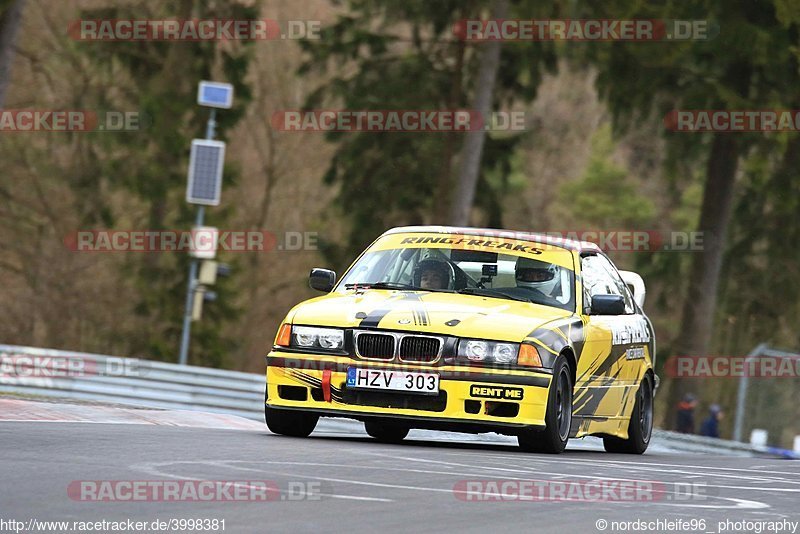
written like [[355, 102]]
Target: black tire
[[640, 428], [558, 419], [386, 431], [289, 422]]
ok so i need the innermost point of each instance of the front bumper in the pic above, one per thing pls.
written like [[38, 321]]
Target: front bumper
[[469, 399]]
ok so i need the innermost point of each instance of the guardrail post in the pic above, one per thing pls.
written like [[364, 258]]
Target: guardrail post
[[741, 395]]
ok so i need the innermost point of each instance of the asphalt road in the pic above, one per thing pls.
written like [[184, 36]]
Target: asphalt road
[[360, 485]]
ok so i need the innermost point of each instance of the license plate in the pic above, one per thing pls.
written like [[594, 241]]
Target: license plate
[[408, 381]]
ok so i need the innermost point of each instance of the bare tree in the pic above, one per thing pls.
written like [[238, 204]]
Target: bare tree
[[700, 304], [475, 138]]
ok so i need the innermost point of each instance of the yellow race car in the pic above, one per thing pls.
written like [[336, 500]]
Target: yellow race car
[[470, 330]]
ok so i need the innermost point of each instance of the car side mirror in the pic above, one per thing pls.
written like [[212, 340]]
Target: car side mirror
[[636, 285], [608, 305], [322, 279]]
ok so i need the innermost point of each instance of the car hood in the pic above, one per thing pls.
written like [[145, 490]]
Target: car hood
[[428, 312]]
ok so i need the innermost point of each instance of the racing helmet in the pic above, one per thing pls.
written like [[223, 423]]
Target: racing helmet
[[440, 267], [533, 274]]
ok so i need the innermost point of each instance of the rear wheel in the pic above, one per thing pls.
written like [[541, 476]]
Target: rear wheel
[[289, 422], [558, 419], [640, 427], [386, 431]]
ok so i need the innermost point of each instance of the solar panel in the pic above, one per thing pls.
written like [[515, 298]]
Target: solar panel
[[205, 172]]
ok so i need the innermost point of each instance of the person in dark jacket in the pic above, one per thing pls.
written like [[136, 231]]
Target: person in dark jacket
[[710, 426], [685, 414]]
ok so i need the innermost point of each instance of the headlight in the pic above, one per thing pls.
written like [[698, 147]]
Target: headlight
[[505, 352], [311, 337], [476, 350]]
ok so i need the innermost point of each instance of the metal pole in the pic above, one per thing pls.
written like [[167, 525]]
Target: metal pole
[[741, 396], [186, 334], [211, 125]]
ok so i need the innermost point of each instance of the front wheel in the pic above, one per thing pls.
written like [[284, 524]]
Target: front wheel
[[558, 419], [386, 431], [289, 422], [640, 427]]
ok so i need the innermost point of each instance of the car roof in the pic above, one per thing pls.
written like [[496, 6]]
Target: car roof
[[580, 246]]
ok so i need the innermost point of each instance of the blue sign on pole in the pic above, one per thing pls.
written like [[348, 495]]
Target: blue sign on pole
[[215, 94]]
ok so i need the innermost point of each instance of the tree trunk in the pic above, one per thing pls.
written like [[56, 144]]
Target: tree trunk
[[441, 195], [700, 302], [474, 140], [10, 21]]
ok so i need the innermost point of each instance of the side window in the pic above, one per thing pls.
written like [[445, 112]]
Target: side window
[[600, 278], [595, 279], [622, 287]]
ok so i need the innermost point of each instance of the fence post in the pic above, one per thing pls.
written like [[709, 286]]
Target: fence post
[[741, 396]]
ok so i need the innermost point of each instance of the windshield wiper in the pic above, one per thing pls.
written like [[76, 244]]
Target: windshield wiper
[[379, 285], [484, 292]]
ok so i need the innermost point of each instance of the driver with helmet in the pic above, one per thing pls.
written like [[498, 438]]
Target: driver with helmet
[[533, 274], [433, 274]]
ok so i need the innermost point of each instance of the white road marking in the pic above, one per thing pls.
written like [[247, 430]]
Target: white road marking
[[757, 503], [150, 469], [626, 464], [738, 503]]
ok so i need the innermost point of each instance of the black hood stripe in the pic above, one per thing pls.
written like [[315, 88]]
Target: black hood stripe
[[375, 316], [418, 311]]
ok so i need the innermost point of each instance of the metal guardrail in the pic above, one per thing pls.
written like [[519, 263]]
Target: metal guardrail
[[84, 376], [706, 445]]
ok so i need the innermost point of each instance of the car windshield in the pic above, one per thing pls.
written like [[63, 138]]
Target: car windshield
[[537, 276]]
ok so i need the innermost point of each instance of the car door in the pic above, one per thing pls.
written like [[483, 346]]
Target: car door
[[632, 342], [604, 374]]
